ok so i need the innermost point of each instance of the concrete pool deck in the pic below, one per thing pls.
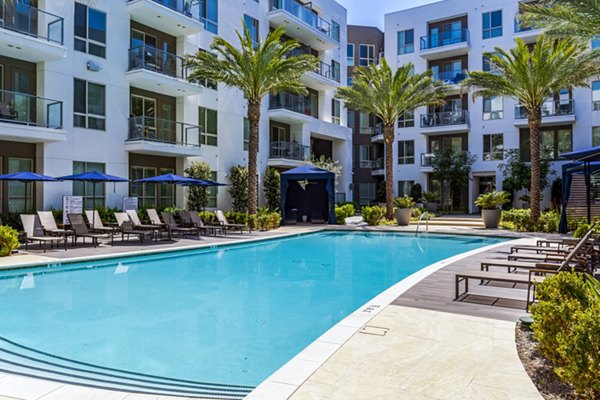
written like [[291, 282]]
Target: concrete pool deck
[[446, 332]]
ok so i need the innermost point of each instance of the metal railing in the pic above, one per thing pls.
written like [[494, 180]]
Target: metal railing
[[289, 151], [304, 12], [189, 8], [551, 108], [328, 71], [445, 38], [292, 102], [378, 163], [157, 60], [427, 159], [450, 77], [26, 109], [163, 131], [23, 18], [448, 118], [519, 27]]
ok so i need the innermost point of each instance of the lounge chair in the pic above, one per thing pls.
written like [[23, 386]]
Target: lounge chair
[[93, 217], [81, 230], [127, 229], [133, 216], [154, 218], [234, 227], [49, 224], [184, 216], [35, 233], [172, 226], [198, 223]]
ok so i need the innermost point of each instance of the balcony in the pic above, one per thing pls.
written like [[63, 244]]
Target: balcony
[[528, 34], [325, 77], [378, 167], [427, 162], [30, 34], [291, 109], [174, 17], [287, 154], [554, 112], [158, 71], [446, 44], [161, 137], [31, 119], [445, 122], [303, 24], [377, 132], [452, 79]]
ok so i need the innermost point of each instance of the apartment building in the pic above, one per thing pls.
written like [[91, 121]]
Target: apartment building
[[365, 47], [450, 38], [100, 85]]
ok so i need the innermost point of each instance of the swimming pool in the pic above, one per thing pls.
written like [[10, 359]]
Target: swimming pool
[[226, 316]]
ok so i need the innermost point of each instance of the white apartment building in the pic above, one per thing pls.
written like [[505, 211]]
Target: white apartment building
[[450, 37], [99, 85]]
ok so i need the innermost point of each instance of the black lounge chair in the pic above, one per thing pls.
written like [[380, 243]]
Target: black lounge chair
[[81, 230], [197, 222], [172, 226], [234, 227]]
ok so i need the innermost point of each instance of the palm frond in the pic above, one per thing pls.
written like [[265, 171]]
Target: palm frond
[[565, 18]]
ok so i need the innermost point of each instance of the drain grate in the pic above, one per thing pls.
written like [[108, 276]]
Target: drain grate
[[374, 330]]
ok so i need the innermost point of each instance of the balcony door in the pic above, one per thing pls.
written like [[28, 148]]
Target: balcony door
[[153, 50]]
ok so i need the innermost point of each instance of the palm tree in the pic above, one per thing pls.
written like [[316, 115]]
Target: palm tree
[[566, 18], [256, 69], [532, 75], [379, 91]]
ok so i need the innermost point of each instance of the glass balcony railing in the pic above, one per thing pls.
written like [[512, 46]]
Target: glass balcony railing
[[446, 38], [305, 13], [189, 8], [552, 108], [23, 18], [378, 163], [163, 131], [450, 77], [292, 102], [520, 27], [26, 109], [448, 118], [156, 60], [427, 159], [290, 151], [328, 71]]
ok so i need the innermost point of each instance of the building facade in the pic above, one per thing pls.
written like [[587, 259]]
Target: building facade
[[100, 85], [450, 38]]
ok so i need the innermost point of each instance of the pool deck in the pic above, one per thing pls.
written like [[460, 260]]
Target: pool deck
[[411, 342]]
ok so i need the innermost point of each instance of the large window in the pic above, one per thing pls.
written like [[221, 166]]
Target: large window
[[493, 147], [209, 11], [493, 108], [91, 200], [335, 30], [406, 152], [492, 24], [246, 134], [553, 141], [335, 111], [212, 191], [151, 194], [20, 195], [350, 119], [596, 95], [407, 119], [596, 136], [366, 54], [252, 26], [365, 156], [404, 188], [208, 126], [207, 83], [488, 66], [366, 192], [90, 30], [350, 54], [406, 41], [89, 105], [367, 123]]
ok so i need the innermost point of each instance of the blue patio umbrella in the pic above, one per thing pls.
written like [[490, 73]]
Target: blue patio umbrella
[[586, 156], [167, 178], [27, 177], [203, 183]]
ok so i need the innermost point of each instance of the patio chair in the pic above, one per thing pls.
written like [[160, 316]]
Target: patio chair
[[154, 218], [93, 217], [35, 233], [198, 223], [127, 229], [235, 227], [49, 224], [81, 230], [185, 218], [172, 226]]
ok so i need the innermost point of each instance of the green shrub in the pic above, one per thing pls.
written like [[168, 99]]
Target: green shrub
[[252, 222], [549, 221], [272, 188], [267, 220], [198, 195], [107, 215], [9, 240], [234, 217], [404, 202], [582, 229], [492, 200], [416, 213], [352, 203], [520, 220], [207, 216], [373, 215], [343, 212], [431, 197], [238, 177]]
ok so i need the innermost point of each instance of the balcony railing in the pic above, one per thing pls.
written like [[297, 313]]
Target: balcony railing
[[552, 108], [445, 39], [292, 102], [304, 12], [449, 118], [378, 163], [450, 77], [31, 21], [427, 159], [189, 8], [163, 131], [290, 151], [26, 109], [156, 60], [328, 71]]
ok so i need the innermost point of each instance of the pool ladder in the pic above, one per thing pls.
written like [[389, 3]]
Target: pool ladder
[[425, 214]]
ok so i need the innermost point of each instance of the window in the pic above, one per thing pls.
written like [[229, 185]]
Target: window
[[366, 54], [350, 54], [212, 191], [335, 30], [406, 152], [404, 188], [91, 200], [407, 119], [366, 192], [335, 111], [349, 81], [20, 195], [365, 156], [335, 71], [596, 42], [367, 123], [553, 141], [252, 26], [151, 194], [493, 147], [488, 66], [89, 105], [406, 41], [596, 95], [209, 11], [208, 126], [246, 134], [492, 24], [493, 108], [596, 136], [90, 30], [207, 83]]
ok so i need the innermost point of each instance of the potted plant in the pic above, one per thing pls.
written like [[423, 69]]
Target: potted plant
[[404, 207], [490, 204], [431, 201]]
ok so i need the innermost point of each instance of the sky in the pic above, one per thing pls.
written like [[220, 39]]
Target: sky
[[371, 12]]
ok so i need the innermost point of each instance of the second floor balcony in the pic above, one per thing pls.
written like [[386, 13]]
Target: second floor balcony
[[174, 17], [378, 167], [527, 33], [554, 112], [450, 77], [325, 77], [289, 151], [159, 71], [445, 122], [156, 136], [290, 108], [445, 44]]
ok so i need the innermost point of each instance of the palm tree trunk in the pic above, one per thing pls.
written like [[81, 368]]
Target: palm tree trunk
[[388, 137], [254, 120], [534, 121]]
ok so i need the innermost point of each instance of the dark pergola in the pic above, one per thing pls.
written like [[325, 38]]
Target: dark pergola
[[308, 188]]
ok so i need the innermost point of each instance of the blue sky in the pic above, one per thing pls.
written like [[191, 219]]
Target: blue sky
[[371, 12]]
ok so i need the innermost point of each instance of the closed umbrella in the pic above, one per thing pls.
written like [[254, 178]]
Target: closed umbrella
[[27, 177]]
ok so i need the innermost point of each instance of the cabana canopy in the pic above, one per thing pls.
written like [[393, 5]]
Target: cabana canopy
[[308, 189]]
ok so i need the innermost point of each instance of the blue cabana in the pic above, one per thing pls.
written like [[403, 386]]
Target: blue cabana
[[308, 191]]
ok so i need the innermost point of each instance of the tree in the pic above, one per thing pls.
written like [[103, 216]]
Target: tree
[[532, 76], [238, 177], [387, 95], [329, 165], [578, 19], [272, 188], [256, 70], [517, 174], [198, 195], [454, 168]]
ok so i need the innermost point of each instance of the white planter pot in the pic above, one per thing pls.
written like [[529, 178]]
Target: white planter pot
[[403, 216]]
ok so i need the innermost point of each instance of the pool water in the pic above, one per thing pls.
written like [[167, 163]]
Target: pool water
[[230, 315]]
